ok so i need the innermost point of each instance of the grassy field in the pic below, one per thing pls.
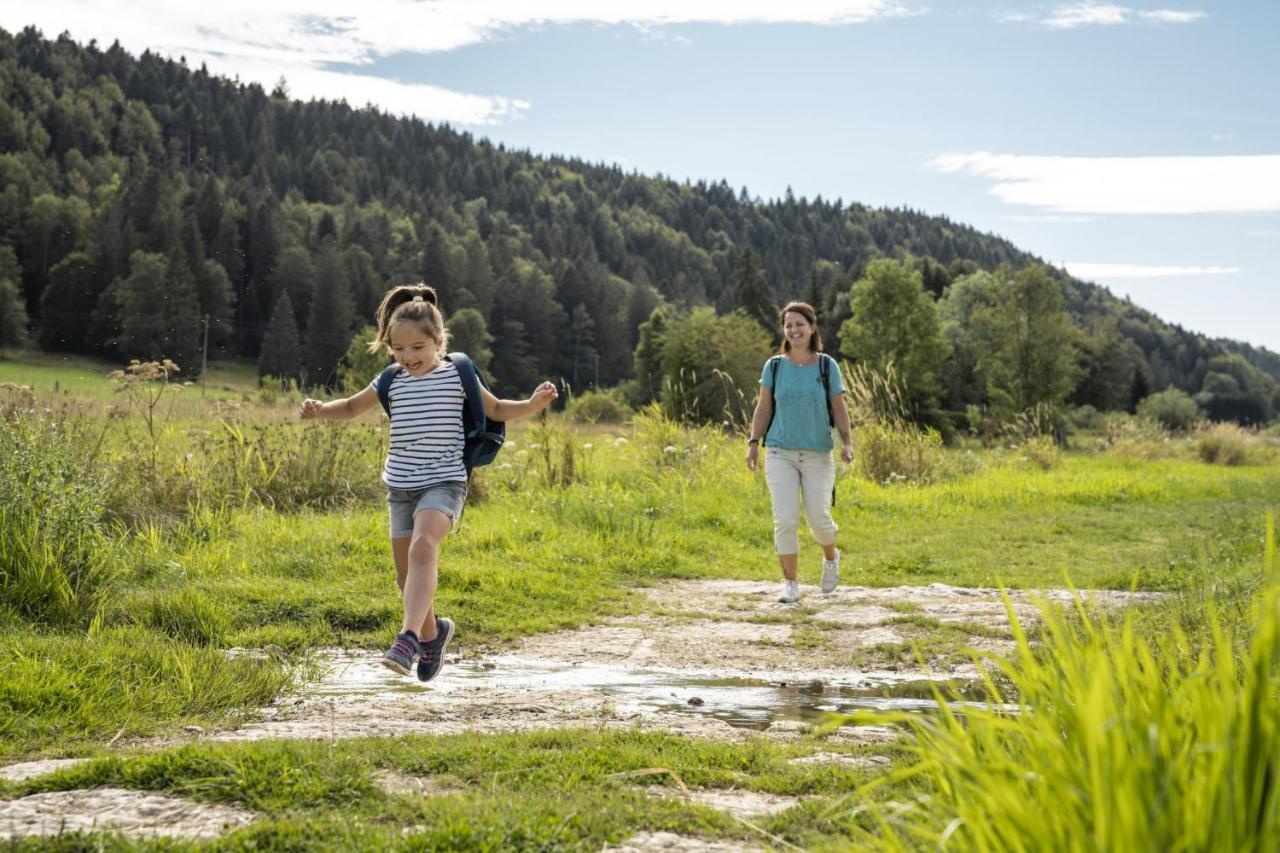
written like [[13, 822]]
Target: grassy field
[[133, 554]]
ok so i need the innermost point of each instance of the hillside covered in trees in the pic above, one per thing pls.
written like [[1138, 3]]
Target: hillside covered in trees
[[139, 197]]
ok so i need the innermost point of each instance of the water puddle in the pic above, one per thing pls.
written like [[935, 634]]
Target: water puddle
[[753, 703]]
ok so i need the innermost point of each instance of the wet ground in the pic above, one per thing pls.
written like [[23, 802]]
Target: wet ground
[[716, 659], [720, 659]]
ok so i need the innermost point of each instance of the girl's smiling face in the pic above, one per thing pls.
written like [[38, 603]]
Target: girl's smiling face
[[797, 329], [413, 349]]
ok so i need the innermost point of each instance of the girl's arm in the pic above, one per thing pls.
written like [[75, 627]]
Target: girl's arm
[[840, 414], [339, 410], [509, 410], [759, 423]]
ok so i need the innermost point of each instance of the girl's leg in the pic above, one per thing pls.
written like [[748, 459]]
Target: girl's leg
[[400, 553], [430, 527], [783, 477], [817, 476]]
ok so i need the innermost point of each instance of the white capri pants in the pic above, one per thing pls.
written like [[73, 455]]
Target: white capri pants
[[790, 474]]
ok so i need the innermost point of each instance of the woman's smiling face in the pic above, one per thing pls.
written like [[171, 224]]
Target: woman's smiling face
[[413, 350], [797, 330]]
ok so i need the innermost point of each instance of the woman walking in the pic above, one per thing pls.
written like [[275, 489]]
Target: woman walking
[[801, 399]]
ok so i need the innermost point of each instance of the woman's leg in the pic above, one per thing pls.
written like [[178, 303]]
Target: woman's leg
[[430, 527], [817, 476], [783, 477]]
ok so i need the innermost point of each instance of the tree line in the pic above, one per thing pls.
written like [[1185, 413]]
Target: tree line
[[147, 207]]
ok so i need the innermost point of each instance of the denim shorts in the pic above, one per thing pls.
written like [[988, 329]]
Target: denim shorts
[[448, 498]]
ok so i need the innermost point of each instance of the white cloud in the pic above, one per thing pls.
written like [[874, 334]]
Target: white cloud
[[262, 41], [1109, 15], [1102, 272], [1135, 185]]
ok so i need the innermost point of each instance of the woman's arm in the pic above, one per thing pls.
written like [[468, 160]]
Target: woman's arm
[[509, 410], [759, 423], [339, 410], [840, 414]]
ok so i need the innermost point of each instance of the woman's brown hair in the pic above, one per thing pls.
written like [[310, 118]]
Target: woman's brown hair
[[416, 303], [804, 309]]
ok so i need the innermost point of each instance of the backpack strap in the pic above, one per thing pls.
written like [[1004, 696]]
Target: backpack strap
[[774, 361], [824, 367], [383, 387], [470, 387]]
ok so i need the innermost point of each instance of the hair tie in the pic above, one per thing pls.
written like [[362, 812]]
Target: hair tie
[[418, 299]]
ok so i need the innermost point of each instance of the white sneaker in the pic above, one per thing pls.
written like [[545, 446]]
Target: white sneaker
[[790, 592], [831, 573]]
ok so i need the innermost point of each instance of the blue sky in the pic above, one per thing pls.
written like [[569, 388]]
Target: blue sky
[[1138, 143]]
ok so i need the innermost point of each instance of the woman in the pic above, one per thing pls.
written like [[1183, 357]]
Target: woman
[[801, 398]]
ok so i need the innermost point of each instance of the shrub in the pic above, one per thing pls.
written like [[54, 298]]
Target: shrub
[[1137, 438], [1171, 408], [599, 407], [1085, 417], [894, 453], [1224, 444], [1041, 450]]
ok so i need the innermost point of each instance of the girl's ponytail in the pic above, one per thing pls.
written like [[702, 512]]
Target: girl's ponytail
[[416, 302]]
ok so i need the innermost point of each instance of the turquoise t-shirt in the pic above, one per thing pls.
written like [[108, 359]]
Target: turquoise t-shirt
[[799, 405]]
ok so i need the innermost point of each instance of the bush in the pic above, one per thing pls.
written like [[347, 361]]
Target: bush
[[1171, 408], [54, 560], [1041, 450], [1224, 444], [599, 407], [894, 453], [1137, 438], [1084, 418]]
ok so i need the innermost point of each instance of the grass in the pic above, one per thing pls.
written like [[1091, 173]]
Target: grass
[[1127, 739], [507, 791], [200, 553]]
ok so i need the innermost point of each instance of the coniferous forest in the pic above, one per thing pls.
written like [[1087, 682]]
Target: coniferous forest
[[143, 201]]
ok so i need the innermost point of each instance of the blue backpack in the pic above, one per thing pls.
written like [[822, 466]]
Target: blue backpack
[[482, 438]]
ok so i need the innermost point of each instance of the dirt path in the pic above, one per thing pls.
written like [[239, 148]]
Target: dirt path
[[719, 659], [723, 659]]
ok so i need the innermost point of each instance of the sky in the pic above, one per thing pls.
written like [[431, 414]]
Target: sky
[[1135, 144]]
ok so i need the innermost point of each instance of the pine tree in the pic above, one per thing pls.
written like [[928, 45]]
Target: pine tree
[[329, 326], [751, 292], [281, 351]]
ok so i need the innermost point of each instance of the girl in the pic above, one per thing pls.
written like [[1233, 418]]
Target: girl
[[424, 473], [809, 395]]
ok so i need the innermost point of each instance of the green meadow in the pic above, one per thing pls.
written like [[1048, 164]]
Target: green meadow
[[147, 530]]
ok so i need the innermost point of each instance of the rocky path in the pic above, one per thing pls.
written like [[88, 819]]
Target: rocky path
[[719, 659]]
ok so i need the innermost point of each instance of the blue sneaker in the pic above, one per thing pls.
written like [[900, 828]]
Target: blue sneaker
[[432, 651], [399, 657]]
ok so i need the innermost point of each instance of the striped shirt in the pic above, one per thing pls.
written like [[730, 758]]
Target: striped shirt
[[426, 429]]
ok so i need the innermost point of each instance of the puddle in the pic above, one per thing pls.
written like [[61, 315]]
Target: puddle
[[753, 703]]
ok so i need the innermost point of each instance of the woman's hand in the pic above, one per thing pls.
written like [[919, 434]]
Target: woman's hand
[[542, 396], [310, 409], [846, 451], [753, 457]]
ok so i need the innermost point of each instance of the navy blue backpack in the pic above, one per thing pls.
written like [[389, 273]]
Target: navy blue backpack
[[482, 437]]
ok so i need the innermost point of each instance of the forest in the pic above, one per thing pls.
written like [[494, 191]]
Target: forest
[[151, 210]]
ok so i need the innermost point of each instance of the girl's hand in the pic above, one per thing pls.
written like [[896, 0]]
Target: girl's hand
[[846, 453], [310, 409], [542, 396], [753, 457]]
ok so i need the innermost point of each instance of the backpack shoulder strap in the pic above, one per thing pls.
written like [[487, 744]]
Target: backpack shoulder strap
[[471, 387], [824, 368], [383, 387]]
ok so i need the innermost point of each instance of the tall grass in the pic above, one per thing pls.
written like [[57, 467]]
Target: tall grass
[[1124, 741], [54, 559]]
